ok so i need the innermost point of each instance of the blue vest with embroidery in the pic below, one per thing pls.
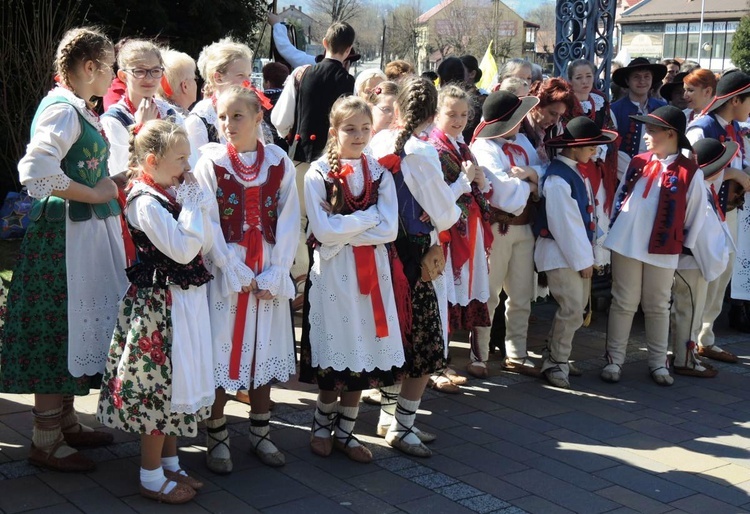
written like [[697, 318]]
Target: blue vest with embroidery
[[409, 209], [630, 130], [577, 191]]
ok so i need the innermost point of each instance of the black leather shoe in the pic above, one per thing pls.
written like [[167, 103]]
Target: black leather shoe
[[738, 319]]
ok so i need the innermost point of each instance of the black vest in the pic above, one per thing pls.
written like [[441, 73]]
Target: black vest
[[321, 86]]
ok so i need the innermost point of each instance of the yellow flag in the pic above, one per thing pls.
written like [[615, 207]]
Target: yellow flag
[[489, 69]]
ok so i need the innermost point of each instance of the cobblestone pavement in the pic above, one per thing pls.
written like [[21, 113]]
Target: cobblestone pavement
[[507, 445]]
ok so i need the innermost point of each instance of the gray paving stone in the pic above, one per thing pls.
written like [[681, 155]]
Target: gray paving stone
[[584, 461], [415, 471], [635, 501], [317, 480], [433, 504], [513, 451], [645, 483], [263, 488], [120, 477], [701, 504], [65, 483], [223, 502], [482, 459], [531, 404], [92, 501], [589, 425], [128, 449], [396, 463], [433, 480], [387, 487], [537, 505], [445, 464], [494, 486], [563, 471], [317, 504], [337, 464], [660, 430], [524, 420], [736, 495], [27, 493], [510, 510], [502, 428], [65, 508], [562, 493], [484, 504], [363, 503], [18, 469], [147, 506], [459, 491]]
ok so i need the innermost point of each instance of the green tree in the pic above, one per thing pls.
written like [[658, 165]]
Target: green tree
[[741, 45]]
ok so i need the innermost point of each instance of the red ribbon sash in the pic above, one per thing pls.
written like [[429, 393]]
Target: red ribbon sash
[[650, 172], [510, 148], [367, 278]]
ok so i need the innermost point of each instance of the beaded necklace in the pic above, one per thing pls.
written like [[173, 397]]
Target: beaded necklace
[[245, 172], [355, 204], [149, 181]]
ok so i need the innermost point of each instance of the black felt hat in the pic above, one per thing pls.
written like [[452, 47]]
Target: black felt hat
[[658, 71], [471, 64], [669, 117], [713, 156], [667, 89], [582, 131], [730, 85], [502, 112]]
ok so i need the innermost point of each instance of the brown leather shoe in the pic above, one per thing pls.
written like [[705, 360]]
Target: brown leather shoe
[[454, 377], [321, 445], [181, 493], [709, 352], [522, 368], [177, 476], [81, 439], [443, 384], [75, 462], [477, 370], [690, 371], [356, 453]]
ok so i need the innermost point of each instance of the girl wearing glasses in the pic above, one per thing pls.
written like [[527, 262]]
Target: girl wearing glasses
[[141, 68]]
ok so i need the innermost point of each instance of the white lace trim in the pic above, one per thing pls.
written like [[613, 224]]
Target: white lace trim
[[219, 156], [192, 195], [356, 181], [41, 187], [235, 275], [205, 109], [277, 281], [206, 401], [80, 105], [598, 103], [279, 368]]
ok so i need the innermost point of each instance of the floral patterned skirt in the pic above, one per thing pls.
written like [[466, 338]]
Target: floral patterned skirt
[[137, 387], [34, 342], [467, 317], [425, 350]]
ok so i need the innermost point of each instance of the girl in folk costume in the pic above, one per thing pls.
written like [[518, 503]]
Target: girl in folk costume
[[159, 381], [705, 263], [350, 337], [255, 216], [221, 64], [659, 210], [382, 100], [601, 170], [70, 275], [470, 238], [564, 249], [141, 69], [426, 206], [514, 185]]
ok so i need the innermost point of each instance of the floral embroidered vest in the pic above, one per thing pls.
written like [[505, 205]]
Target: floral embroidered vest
[[230, 195], [156, 269], [85, 163], [668, 232]]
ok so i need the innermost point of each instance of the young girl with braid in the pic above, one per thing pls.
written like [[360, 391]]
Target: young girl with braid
[[426, 206], [255, 216], [159, 377], [351, 338], [70, 274]]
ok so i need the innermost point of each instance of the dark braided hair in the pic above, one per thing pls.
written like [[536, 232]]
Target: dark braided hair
[[78, 46], [344, 108], [417, 103]]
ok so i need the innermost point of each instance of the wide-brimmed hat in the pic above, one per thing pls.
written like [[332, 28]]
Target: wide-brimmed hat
[[582, 131], [352, 57], [502, 112], [668, 88], [658, 71], [713, 156], [730, 85], [471, 64], [669, 117]]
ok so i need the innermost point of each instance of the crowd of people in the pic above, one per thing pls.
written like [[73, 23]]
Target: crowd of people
[[170, 238]]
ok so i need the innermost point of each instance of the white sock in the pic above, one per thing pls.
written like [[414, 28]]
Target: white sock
[[214, 447], [153, 480], [406, 414], [345, 425], [388, 399], [660, 371], [258, 429], [172, 464], [324, 414]]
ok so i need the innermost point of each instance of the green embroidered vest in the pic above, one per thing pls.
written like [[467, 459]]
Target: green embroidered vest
[[85, 163]]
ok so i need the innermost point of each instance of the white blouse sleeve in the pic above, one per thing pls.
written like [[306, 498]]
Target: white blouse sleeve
[[232, 273], [461, 186], [288, 51], [333, 229], [181, 239], [119, 144], [695, 213], [387, 230], [276, 278], [57, 128], [282, 115], [509, 194], [566, 226], [423, 175], [197, 137]]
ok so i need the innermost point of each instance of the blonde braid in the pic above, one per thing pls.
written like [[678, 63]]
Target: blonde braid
[[417, 103], [337, 191]]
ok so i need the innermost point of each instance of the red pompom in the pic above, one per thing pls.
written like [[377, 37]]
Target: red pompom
[[313, 138], [544, 232], [589, 209]]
